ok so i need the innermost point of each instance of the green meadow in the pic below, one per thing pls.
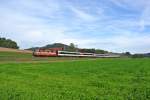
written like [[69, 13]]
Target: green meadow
[[96, 79]]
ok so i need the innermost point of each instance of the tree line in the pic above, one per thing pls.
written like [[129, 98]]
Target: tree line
[[8, 43], [73, 47]]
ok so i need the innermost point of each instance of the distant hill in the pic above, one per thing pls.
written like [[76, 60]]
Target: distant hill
[[141, 55], [55, 45], [147, 55]]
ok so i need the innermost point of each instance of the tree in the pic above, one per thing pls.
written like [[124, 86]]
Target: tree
[[88, 50], [127, 53], [98, 51], [8, 43], [138, 56], [72, 47]]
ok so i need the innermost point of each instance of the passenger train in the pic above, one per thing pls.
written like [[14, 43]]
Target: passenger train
[[59, 52]]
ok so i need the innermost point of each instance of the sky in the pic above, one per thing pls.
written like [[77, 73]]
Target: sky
[[113, 25]]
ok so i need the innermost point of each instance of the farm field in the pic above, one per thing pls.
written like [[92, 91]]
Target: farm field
[[99, 79]]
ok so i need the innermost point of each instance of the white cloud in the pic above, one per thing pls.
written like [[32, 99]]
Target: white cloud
[[82, 14], [141, 6]]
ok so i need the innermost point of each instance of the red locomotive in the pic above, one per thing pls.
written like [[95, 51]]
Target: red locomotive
[[51, 52]]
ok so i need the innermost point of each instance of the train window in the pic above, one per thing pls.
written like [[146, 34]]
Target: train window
[[75, 53]]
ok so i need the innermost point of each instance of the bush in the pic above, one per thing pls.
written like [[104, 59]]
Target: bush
[[138, 56]]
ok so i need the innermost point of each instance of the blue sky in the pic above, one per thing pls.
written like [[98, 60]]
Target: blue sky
[[114, 25]]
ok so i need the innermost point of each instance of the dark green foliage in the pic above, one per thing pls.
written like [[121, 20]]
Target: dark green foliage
[[127, 53], [138, 56], [8, 43], [141, 55], [71, 47], [98, 51], [88, 50]]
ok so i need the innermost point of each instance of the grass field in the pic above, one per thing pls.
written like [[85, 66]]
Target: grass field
[[79, 79]]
